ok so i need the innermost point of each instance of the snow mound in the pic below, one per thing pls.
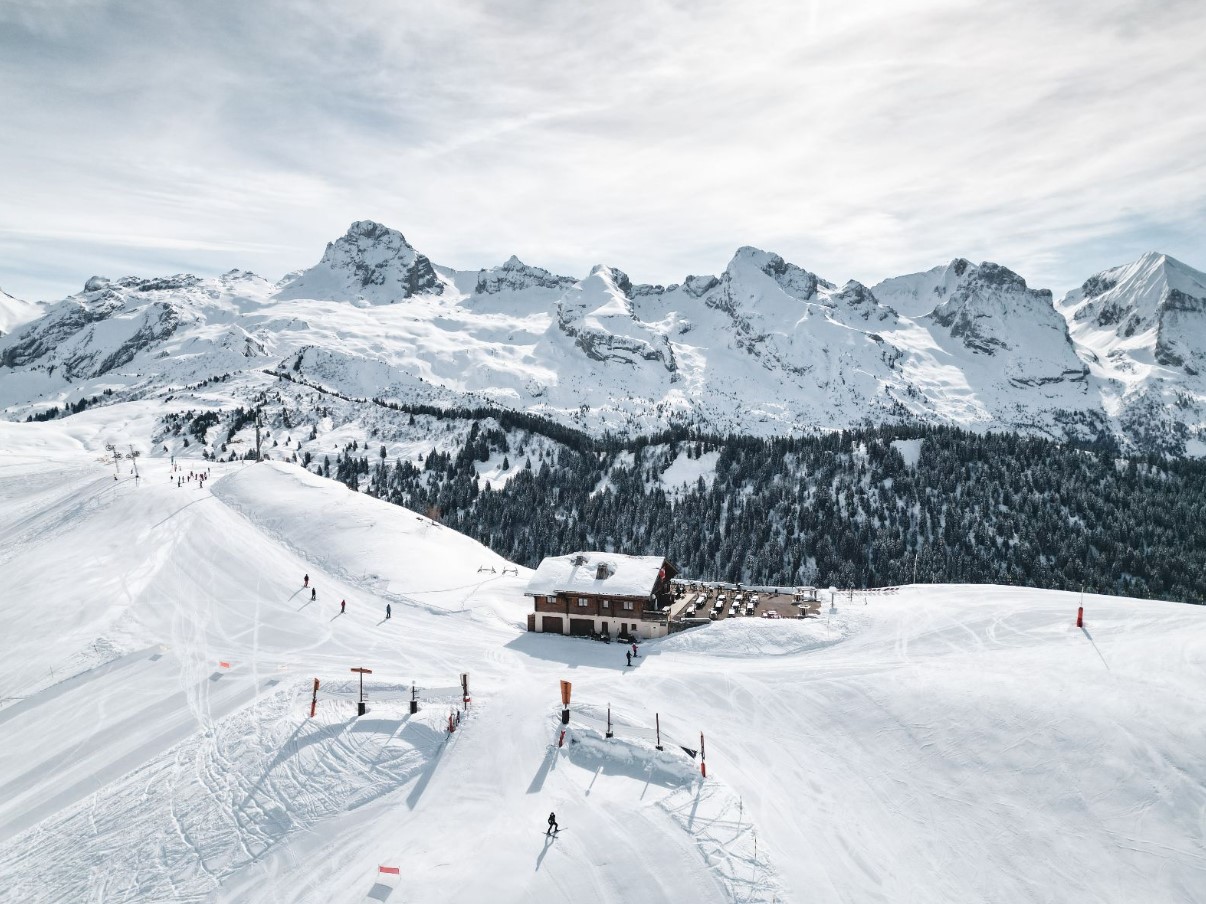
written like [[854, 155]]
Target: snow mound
[[373, 543]]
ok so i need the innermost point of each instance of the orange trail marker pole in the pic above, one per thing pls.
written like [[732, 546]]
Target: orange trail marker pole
[[1080, 617]]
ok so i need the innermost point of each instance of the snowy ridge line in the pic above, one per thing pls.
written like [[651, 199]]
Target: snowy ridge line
[[706, 810], [762, 348]]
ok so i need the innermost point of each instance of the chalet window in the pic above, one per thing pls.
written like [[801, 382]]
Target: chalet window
[[582, 601], [605, 604], [628, 604]]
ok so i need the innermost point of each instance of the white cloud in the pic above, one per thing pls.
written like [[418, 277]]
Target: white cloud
[[859, 139]]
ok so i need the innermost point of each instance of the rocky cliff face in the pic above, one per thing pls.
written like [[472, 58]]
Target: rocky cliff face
[[1142, 329], [516, 276], [598, 315]]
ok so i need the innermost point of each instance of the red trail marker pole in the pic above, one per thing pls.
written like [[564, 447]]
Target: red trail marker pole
[[566, 690], [703, 757], [314, 699], [1080, 617]]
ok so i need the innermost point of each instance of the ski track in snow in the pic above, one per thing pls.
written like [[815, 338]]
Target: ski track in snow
[[940, 744]]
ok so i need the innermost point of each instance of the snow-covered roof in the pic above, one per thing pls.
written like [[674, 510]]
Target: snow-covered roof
[[579, 572]]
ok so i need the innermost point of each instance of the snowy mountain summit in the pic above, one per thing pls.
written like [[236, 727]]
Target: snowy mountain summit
[[764, 347], [371, 262]]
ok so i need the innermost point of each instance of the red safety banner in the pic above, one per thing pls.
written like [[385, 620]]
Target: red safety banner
[[224, 665], [393, 870]]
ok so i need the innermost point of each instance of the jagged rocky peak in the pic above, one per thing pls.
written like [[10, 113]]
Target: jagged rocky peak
[[370, 262], [793, 280], [515, 276], [989, 280], [856, 297], [235, 275], [1129, 299], [915, 294], [990, 307], [612, 278], [598, 315], [698, 286], [96, 283]]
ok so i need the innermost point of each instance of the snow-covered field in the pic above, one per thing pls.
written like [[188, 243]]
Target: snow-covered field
[[941, 744]]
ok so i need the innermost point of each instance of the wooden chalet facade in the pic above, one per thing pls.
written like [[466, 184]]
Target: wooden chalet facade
[[602, 593]]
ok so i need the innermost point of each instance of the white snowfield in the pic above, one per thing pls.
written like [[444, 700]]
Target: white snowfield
[[953, 743]]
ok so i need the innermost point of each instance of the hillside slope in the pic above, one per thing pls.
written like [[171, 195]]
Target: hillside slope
[[939, 744]]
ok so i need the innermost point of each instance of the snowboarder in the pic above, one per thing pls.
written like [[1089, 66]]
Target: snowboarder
[[343, 606], [634, 650], [553, 827], [388, 611], [306, 581], [628, 653], [313, 594]]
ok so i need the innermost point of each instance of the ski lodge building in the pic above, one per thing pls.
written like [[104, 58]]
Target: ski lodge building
[[602, 593]]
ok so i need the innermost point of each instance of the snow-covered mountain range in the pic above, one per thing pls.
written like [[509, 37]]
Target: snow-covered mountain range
[[765, 347]]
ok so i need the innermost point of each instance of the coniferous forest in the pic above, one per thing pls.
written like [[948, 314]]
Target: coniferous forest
[[842, 509]]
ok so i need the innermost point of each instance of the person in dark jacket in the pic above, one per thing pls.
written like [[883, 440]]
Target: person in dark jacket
[[628, 653], [388, 611], [553, 827], [313, 594], [343, 606], [306, 581]]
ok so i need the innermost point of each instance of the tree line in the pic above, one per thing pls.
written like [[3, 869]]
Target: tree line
[[840, 509]]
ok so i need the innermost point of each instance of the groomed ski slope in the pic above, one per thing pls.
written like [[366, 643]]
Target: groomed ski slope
[[940, 744]]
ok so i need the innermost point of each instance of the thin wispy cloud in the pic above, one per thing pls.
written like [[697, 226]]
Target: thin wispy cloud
[[859, 139]]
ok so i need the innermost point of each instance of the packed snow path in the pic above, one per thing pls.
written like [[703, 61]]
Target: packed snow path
[[943, 744]]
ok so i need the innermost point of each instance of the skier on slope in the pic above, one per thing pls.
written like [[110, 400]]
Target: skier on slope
[[628, 653], [634, 649], [306, 581], [313, 594], [343, 606], [388, 611], [553, 827]]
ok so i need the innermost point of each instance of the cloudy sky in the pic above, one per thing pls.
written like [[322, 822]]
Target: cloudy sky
[[858, 139]]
